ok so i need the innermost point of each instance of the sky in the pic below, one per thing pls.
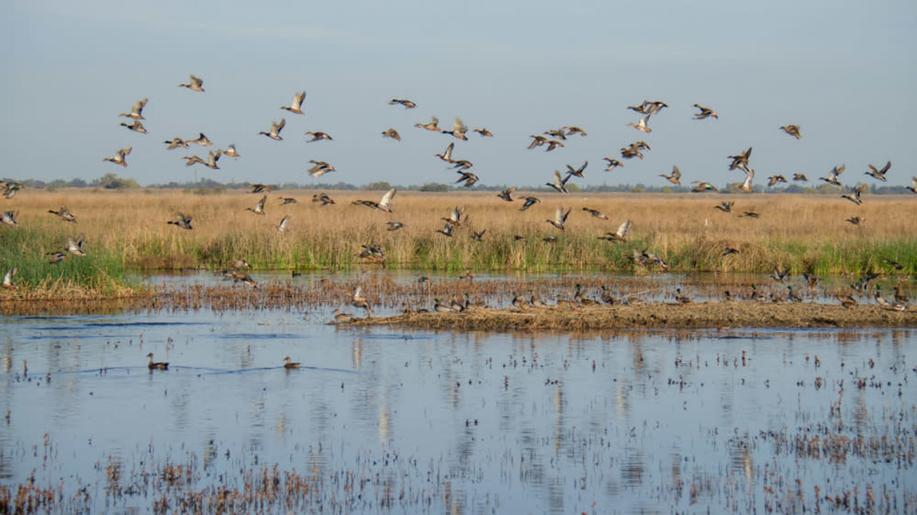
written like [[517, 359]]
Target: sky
[[845, 71]]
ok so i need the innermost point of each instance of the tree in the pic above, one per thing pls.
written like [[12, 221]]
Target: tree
[[111, 181]]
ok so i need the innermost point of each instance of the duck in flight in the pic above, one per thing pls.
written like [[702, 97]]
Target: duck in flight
[[194, 83], [295, 106]]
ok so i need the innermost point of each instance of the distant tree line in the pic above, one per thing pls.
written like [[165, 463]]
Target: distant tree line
[[112, 181]]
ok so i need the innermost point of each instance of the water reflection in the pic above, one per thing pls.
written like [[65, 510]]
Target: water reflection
[[459, 423]]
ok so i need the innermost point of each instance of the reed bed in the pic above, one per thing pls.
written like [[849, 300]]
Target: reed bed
[[128, 230]]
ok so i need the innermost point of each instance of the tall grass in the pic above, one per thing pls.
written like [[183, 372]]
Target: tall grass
[[99, 273], [129, 230]]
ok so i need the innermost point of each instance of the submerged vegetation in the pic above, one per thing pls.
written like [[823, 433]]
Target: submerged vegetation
[[128, 231]]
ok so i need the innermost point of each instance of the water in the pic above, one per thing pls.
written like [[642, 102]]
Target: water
[[456, 422]]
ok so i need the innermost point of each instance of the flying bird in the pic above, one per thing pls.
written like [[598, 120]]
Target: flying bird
[[704, 113], [674, 178], [701, 187], [773, 180], [468, 178], [596, 213], [274, 133], [282, 225], [529, 202], [385, 204], [800, 177], [620, 235], [120, 157], [746, 185], [740, 160], [459, 129], [407, 104], [507, 194], [318, 136], [296, 104], [612, 164], [64, 214], [855, 195], [175, 142], [231, 151], [432, 125], [447, 154], [75, 247], [323, 198], [201, 140], [135, 126], [577, 172], [136, 110], [879, 173], [391, 133], [725, 206], [194, 84], [182, 221], [792, 130], [560, 218], [392, 225], [560, 183], [320, 168], [641, 125], [9, 218], [485, 133], [259, 207], [833, 175]]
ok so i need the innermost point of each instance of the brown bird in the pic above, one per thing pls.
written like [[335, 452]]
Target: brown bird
[[175, 142], [156, 365], [705, 112], [612, 164], [274, 133], [507, 194], [675, 178], [792, 130], [855, 195], [201, 140], [774, 180], [407, 104], [529, 202], [320, 168], [194, 84], [596, 213], [231, 152], [447, 154], [259, 207], [484, 132], [560, 218], [725, 206], [323, 198], [391, 133], [318, 136], [120, 157], [296, 104], [620, 235], [701, 187], [879, 173], [432, 125], [288, 363], [182, 221], [459, 129], [468, 178], [577, 172], [573, 129], [740, 160], [64, 214], [136, 110], [385, 204], [135, 126], [833, 175], [641, 125], [800, 177], [358, 300], [856, 220]]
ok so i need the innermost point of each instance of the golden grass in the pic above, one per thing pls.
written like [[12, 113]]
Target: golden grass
[[794, 230]]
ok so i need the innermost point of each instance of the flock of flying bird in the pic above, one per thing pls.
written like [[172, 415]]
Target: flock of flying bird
[[549, 140]]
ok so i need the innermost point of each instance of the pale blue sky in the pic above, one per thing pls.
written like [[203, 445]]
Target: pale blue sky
[[846, 71]]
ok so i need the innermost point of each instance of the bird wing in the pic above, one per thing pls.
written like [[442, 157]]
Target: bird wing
[[387, 198], [261, 203], [886, 168], [459, 126], [676, 173], [298, 99], [280, 125], [197, 81], [137, 108], [623, 229]]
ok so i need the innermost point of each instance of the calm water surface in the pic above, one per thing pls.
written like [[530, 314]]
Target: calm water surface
[[461, 422]]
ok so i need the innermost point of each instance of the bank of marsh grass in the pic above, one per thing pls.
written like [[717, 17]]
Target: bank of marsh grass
[[128, 230]]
